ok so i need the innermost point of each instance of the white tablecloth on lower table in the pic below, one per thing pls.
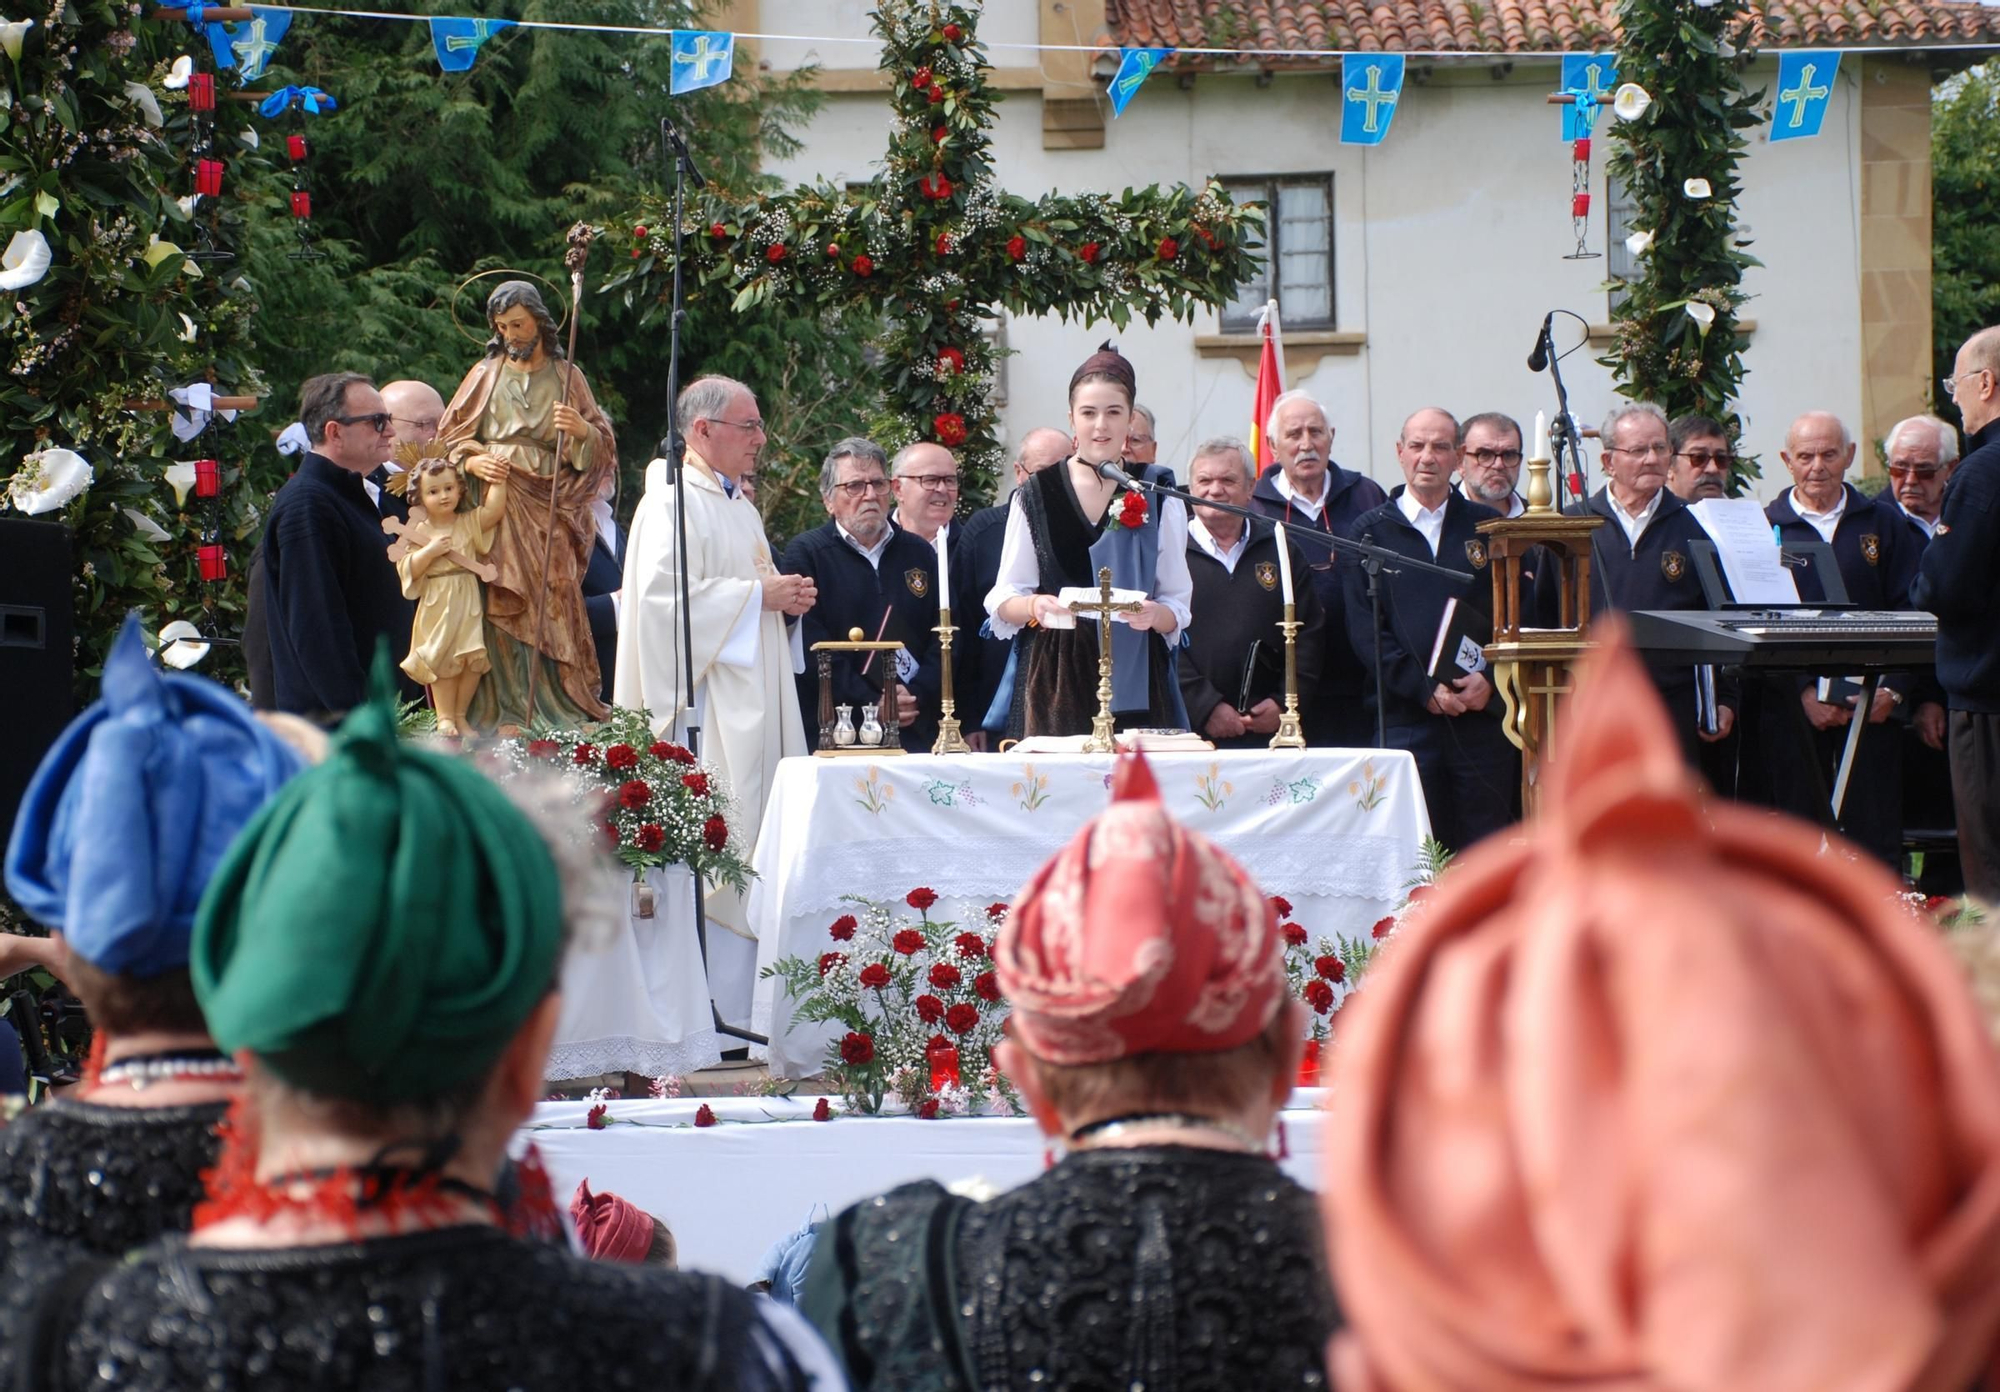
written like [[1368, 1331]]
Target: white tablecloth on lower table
[[1338, 832], [729, 1191]]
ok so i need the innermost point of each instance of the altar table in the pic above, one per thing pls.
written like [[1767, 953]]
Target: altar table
[[1338, 832], [730, 1191]]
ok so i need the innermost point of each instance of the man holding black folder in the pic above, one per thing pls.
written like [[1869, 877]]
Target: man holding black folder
[[1232, 672], [1437, 701]]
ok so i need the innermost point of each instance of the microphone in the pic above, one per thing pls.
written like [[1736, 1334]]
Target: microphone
[[1538, 359], [1115, 471]]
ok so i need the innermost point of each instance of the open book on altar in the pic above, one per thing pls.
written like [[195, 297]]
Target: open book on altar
[[1151, 741]]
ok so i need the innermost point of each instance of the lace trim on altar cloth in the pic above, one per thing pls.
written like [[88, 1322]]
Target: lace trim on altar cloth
[[651, 1058], [995, 868]]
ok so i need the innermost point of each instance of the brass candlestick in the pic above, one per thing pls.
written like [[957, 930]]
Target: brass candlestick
[[1289, 735], [949, 740], [1102, 733], [1541, 496]]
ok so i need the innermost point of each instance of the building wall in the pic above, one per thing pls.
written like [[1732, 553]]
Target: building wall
[[1449, 239]]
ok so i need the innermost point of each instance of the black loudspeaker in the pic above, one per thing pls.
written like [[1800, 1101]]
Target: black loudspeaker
[[37, 652]]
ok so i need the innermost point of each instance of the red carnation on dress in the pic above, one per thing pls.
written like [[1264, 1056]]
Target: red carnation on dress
[[704, 1115], [863, 266], [1088, 251], [920, 899], [857, 1050], [1295, 936], [945, 976], [929, 1008], [594, 1118], [1017, 248], [776, 253], [715, 834], [1281, 906], [586, 754], [1169, 248], [621, 756], [1383, 927], [634, 794], [829, 960], [1330, 967], [542, 749], [1319, 996], [1132, 512], [962, 1018], [843, 928], [970, 945], [987, 984], [651, 837], [908, 941], [875, 976], [929, 1110], [822, 1112], [950, 428], [696, 783]]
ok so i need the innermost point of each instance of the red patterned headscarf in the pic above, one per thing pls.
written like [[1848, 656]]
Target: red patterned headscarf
[[1664, 1098], [611, 1228], [1140, 936]]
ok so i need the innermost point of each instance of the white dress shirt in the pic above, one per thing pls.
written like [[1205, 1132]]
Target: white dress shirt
[[1019, 575], [1825, 523], [872, 553], [1929, 524], [1311, 507], [1429, 521], [1634, 523], [1199, 533]]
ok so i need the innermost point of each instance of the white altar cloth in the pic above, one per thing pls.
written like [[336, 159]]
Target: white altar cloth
[[729, 1191], [1338, 832]]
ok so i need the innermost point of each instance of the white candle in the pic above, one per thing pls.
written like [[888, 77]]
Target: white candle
[[1541, 436], [1284, 562], [944, 573]]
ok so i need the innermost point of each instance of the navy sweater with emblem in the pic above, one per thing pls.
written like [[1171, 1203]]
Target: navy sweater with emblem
[[1959, 578], [853, 594], [1876, 548], [1348, 496]]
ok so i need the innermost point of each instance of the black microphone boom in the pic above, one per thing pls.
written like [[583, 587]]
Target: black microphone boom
[[1538, 359]]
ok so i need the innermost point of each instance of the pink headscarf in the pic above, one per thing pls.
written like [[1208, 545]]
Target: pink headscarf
[[1140, 936], [1663, 1099], [612, 1229]]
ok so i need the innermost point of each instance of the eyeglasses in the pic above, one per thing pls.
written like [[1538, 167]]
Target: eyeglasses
[[1138, 441], [379, 420], [861, 488], [1915, 471], [1703, 459], [932, 483], [431, 424], [754, 425], [1489, 457], [1951, 382], [1642, 452]]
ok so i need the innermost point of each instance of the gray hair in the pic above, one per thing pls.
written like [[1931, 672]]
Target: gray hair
[[521, 294], [1498, 420], [1224, 444], [1626, 410], [1152, 421], [706, 398], [324, 397], [1287, 398], [854, 447], [1947, 438]]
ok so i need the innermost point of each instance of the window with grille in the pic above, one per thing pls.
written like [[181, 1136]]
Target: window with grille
[[1297, 250]]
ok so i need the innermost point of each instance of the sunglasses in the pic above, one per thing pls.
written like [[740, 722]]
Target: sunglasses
[[379, 421]]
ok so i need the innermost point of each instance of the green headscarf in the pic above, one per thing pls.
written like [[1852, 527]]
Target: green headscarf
[[383, 928]]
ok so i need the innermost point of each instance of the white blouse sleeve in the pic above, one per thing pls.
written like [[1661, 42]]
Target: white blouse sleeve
[[1019, 574], [1173, 584]]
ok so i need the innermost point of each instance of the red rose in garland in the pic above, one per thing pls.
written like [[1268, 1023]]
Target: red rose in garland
[[864, 266], [950, 361], [857, 1050], [908, 941], [929, 1008], [696, 783], [651, 837], [937, 95], [715, 834], [952, 33], [1017, 248], [621, 756], [635, 794], [987, 984], [920, 899], [970, 945], [638, 233], [939, 134], [843, 928], [1169, 248], [1319, 996], [962, 1018], [829, 960], [945, 976], [875, 976], [776, 253], [542, 749], [586, 754], [1088, 251], [950, 428], [1330, 967], [921, 78], [1295, 936], [717, 231], [935, 187], [943, 244], [833, 249], [704, 1115]]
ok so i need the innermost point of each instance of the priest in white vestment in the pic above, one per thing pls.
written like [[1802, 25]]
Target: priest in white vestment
[[744, 697]]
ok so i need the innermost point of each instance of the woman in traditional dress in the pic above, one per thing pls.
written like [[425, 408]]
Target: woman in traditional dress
[[1066, 523]]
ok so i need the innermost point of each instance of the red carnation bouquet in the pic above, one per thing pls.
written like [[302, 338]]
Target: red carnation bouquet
[[918, 1003], [1130, 513], [650, 802]]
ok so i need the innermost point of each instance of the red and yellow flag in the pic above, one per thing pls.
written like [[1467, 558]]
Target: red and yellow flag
[[1270, 383]]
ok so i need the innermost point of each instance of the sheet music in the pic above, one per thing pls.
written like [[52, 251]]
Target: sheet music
[[1751, 561]]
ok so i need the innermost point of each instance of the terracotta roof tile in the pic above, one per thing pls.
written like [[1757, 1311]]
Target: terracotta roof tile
[[1517, 26]]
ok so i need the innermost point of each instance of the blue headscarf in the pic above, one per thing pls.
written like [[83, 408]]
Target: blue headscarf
[[131, 810]]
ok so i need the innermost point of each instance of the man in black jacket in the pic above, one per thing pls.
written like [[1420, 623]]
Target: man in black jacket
[[1959, 581], [1875, 548], [328, 591], [1232, 672], [1642, 557], [979, 662], [875, 577], [1306, 490], [1470, 773]]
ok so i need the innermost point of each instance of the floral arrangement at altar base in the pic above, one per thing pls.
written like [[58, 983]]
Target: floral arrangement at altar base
[[650, 802], [919, 1004]]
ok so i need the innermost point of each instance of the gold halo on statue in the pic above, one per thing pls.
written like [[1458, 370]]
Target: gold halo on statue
[[562, 320]]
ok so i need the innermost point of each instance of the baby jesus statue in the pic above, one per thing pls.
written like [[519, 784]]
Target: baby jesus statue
[[437, 557]]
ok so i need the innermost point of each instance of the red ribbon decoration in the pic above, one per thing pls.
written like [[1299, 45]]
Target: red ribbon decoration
[[207, 478]]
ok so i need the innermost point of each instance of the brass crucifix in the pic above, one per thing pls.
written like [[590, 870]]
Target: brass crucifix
[[1101, 741]]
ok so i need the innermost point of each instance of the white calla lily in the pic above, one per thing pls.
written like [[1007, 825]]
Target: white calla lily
[[1638, 242], [186, 205], [1696, 188], [181, 646], [157, 251], [1702, 314], [148, 104], [145, 525], [178, 75], [47, 479], [248, 136], [188, 330], [180, 476], [25, 261], [12, 32]]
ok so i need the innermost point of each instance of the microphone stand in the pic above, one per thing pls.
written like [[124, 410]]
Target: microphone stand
[[674, 151], [1376, 561], [1563, 432]]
